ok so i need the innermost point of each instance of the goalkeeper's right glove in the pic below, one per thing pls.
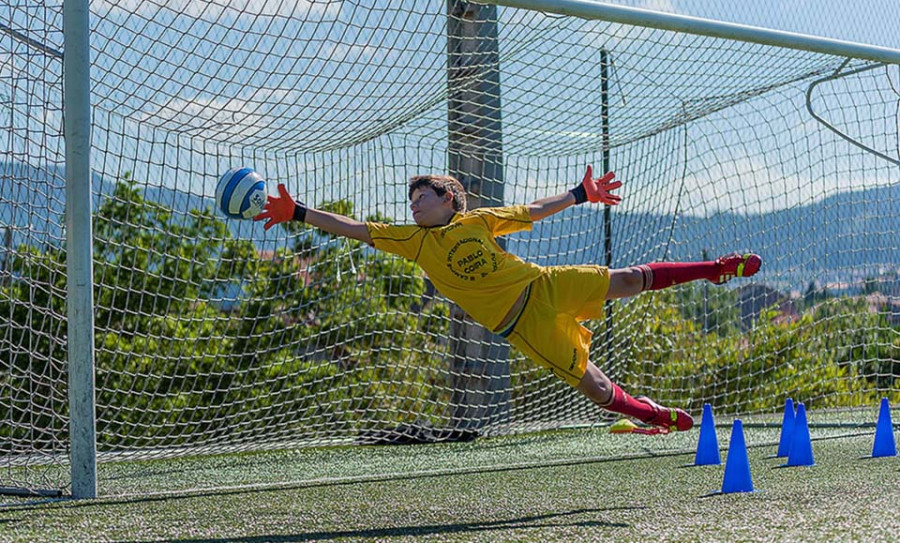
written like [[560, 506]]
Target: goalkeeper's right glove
[[281, 209], [597, 190]]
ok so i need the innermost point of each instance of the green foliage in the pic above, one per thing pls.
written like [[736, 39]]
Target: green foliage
[[331, 334], [322, 332], [839, 355], [710, 308]]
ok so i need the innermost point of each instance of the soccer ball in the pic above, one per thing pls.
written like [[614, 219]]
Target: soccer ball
[[241, 193]]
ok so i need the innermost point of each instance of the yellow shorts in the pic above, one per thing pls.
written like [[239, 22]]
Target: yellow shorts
[[549, 329]]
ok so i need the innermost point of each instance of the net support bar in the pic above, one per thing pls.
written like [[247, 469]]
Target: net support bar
[[587, 9], [79, 243]]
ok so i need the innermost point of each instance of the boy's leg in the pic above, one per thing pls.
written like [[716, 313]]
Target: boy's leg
[[549, 333], [608, 395], [659, 275]]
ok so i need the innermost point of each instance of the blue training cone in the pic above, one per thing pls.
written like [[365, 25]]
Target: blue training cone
[[787, 429], [801, 444], [884, 433], [708, 445], [737, 465]]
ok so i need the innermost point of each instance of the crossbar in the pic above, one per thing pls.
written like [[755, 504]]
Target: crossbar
[[588, 9]]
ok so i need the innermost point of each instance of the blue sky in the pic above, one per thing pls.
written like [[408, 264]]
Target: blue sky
[[869, 21], [187, 89]]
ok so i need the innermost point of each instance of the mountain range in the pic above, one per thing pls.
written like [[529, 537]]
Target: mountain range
[[843, 237]]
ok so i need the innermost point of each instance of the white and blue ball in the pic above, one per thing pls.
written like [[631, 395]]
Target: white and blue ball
[[241, 193]]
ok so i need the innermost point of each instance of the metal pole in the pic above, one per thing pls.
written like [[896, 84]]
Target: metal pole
[[480, 376], [79, 247], [6, 256], [589, 9], [607, 166], [705, 299]]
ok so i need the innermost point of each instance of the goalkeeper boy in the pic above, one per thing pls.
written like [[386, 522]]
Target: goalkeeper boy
[[537, 309]]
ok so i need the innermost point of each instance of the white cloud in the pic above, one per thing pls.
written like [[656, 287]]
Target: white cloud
[[242, 113], [665, 6], [323, 9], [354, 52]]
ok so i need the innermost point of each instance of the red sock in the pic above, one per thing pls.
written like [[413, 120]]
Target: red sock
[[659, 275], [623, 403]]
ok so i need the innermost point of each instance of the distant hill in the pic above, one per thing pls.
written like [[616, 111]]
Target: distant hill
[[856, 233], [854, 230], [36, 196]]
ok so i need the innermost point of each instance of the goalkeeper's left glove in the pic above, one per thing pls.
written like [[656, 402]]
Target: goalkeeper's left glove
[[281, 209], [597, 190]]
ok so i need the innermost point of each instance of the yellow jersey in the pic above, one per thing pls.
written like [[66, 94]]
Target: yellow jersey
[[464, 261]]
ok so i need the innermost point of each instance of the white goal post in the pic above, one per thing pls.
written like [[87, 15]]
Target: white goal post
[[79, 247], [589, 9], [135, 323]]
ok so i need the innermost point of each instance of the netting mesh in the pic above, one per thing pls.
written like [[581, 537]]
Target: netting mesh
[[33, 388], [215, 336]]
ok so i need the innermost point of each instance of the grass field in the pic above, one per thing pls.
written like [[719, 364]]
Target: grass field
[[544, 487]]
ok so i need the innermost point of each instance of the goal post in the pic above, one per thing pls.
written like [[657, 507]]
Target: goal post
[[592, 9], [79, 248], [205, 336], [480, 360]]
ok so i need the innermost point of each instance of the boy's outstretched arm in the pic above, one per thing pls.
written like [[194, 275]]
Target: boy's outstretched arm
[[283, 208], [590, 190]]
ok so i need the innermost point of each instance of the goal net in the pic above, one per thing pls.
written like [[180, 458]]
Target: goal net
[[214, 336]]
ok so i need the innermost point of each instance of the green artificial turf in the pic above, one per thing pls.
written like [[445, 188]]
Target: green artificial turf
[[525, 488]]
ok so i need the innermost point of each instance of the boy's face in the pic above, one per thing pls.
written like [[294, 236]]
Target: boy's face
[[429, 209]]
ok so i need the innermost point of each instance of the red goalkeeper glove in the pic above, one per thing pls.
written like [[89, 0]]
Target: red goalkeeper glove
[[281, 209], [597, 190]]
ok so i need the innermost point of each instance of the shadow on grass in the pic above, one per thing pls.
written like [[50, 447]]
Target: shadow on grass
[[68, 502], [718, 493], [700, 466], [549, 520], [250, 460]]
